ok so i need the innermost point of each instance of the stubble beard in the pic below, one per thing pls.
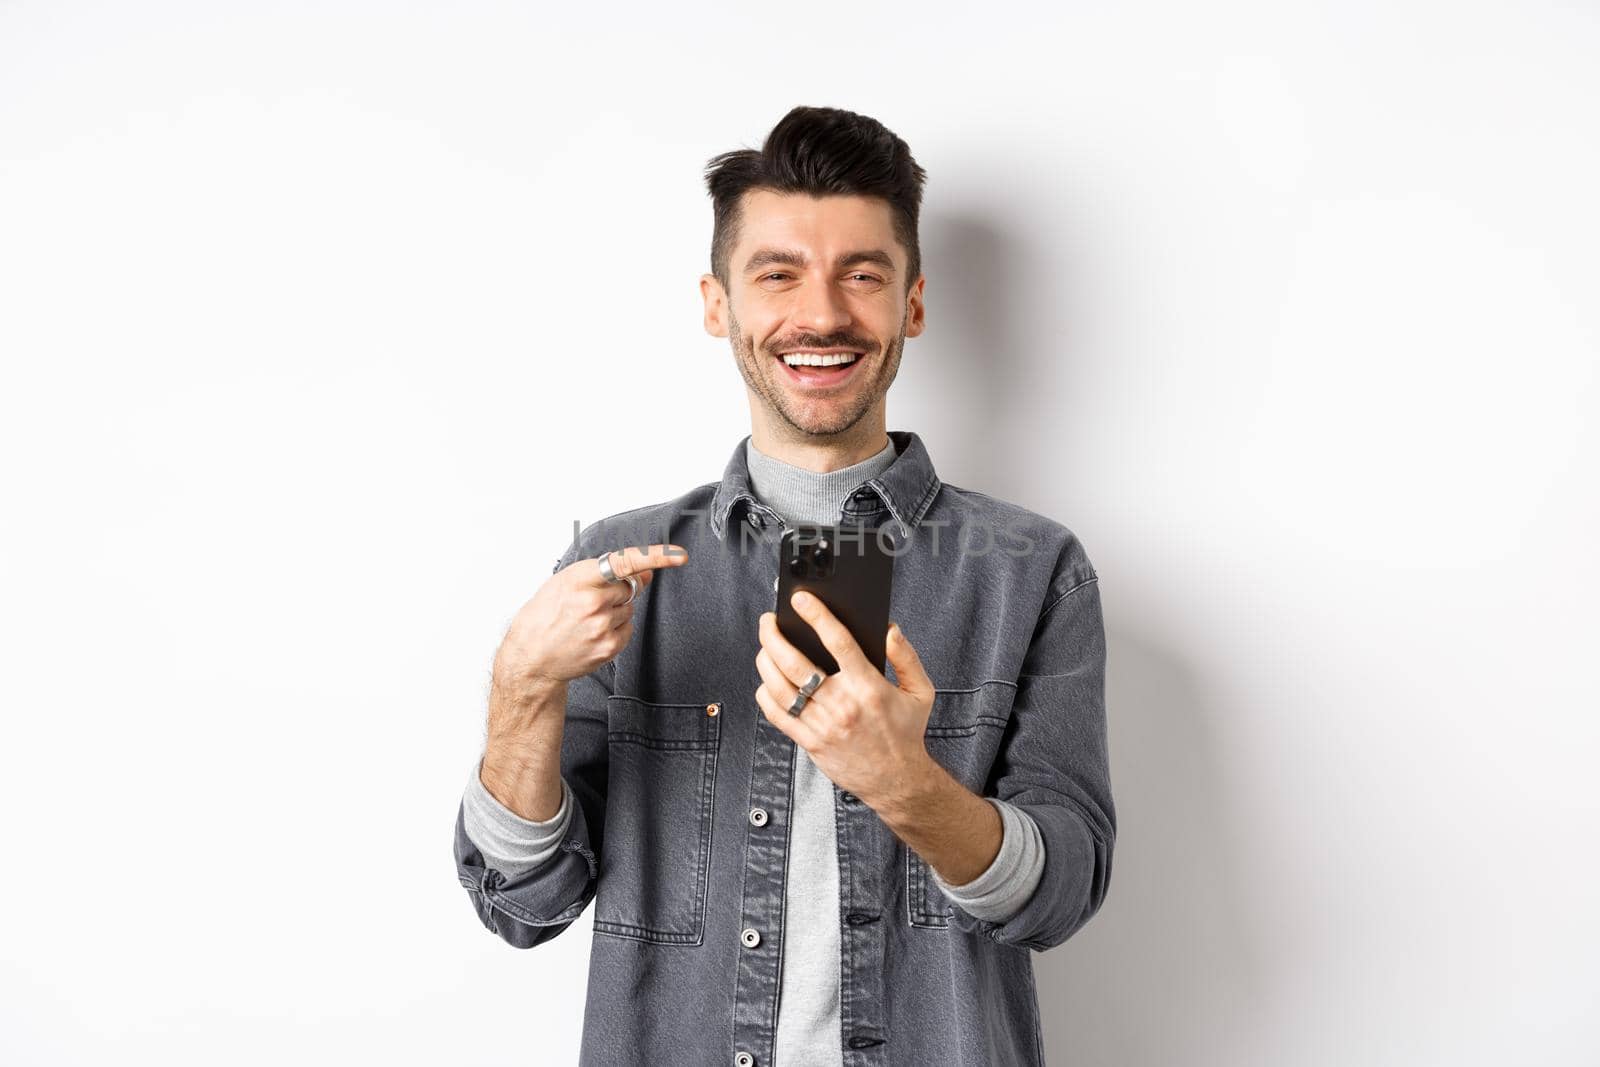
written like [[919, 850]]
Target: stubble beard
[[760, 370]]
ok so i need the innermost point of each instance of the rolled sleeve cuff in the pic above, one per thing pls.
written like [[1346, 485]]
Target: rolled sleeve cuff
[[1005, 886], [509, 843]]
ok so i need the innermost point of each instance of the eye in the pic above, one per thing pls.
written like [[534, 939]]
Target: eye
[[775, 274]]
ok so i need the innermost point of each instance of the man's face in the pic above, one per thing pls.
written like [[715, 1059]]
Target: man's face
[[820, 275]]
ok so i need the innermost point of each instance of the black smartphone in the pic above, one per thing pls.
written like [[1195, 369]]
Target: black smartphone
[[848, 569]]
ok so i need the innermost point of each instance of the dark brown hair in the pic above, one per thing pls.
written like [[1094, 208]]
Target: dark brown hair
[[822, 151]]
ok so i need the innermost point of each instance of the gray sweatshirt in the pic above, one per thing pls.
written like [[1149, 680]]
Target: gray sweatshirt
[[808, 1016]]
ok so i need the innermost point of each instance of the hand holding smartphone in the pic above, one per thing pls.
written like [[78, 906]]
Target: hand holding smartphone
[[848, 569]]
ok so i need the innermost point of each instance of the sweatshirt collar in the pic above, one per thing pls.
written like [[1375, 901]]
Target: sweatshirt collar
[[905, 489]]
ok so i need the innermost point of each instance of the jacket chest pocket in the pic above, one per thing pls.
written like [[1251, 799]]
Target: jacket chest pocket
[[656, 855], [964, 733]]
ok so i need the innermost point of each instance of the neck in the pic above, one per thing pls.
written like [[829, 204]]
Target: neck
[[820, 453]]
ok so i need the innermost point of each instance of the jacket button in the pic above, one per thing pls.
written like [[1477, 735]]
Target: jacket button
[[744, 1059], [758, 816], [754, 519], [712, 709], [848, 798], [750, 938]]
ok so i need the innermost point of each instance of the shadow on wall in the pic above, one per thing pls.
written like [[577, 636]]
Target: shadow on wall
[[969, 342], [1168, 964]]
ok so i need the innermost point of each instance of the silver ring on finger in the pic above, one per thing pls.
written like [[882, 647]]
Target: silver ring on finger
[[633, 589], [604, 559], [811, 684], [799, 702]]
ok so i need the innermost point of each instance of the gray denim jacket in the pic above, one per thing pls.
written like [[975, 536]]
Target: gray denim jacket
[[683, 788]]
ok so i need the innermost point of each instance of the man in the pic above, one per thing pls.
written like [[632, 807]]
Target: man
[[788, 868]]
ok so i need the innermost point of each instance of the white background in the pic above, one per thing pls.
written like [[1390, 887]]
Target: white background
[[322, 322]]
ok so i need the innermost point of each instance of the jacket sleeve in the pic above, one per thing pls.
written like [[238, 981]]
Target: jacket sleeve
[[530, 903], [1053, 766]]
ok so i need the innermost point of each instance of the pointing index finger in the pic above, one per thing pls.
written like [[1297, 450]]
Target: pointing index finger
[[635, 559]]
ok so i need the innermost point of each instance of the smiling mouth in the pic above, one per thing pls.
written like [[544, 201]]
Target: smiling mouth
[[819, 359], [819, 368]]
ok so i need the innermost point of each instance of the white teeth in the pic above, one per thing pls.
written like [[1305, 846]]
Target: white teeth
[[812, 359]]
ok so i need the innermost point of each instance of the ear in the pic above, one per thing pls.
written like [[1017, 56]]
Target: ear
[[914, 310], [716, 305]]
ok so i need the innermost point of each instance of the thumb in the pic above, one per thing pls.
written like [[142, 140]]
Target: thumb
[[908, 670]]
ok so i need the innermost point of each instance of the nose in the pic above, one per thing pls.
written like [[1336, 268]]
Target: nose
[[822, 308]]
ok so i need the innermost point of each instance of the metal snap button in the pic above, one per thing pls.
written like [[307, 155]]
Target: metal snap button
[[750, 937], [714, 707], [744, 1059], [758, 816], [848, 798]]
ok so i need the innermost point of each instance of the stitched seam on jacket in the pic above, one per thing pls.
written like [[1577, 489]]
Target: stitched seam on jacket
[[1069, 592], [644, 933]]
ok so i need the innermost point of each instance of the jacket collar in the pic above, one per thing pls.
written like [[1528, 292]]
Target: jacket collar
[[905, 489]]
